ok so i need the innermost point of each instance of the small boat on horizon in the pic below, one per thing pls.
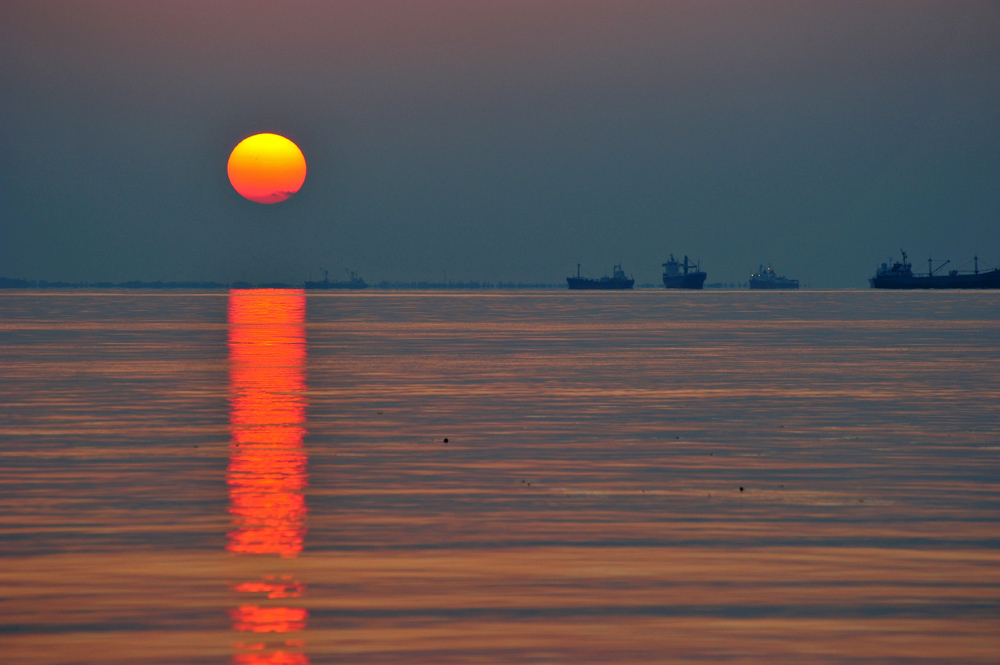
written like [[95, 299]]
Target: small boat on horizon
[[354, 282]]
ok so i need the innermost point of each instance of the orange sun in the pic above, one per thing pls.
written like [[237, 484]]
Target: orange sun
[[267, 168]]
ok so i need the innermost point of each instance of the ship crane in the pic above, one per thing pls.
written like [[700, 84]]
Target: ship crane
[[930, 263]]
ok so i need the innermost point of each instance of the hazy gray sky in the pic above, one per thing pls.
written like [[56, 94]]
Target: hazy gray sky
[[499, 140]]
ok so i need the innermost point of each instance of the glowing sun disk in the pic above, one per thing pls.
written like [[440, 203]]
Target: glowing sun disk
[[266, 168]]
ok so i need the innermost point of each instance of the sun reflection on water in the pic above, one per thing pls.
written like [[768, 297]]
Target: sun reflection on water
[[267, 462]]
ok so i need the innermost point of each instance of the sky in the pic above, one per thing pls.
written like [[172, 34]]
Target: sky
[[499, 140]]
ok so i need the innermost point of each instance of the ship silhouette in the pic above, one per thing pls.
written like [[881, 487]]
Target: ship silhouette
[[618, 281], [901, 276], [766, 278], [677, 275]]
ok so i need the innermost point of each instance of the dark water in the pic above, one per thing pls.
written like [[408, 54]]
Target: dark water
[[263, 477]]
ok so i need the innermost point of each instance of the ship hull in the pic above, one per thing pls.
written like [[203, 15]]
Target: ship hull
[[692, 280], [984, 280], [583, 284], [774, 285]]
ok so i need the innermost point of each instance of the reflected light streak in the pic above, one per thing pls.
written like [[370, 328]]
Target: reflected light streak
[[273, 658], [267, 462], [267, 467], [289, 589], [255, 619]]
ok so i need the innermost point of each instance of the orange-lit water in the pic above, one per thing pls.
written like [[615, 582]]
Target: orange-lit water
[[262, 477], [267, 463]]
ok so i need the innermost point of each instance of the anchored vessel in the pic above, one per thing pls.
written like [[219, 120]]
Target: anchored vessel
[[900, 276], [685, 275], [617, 282], [354, 282], [768, 279]]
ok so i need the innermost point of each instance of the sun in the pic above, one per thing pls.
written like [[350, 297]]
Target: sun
[[266, 168]]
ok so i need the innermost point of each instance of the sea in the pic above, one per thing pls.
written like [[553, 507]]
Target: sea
[[288, 478]]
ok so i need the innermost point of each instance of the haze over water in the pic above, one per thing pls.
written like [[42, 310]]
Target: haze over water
[[263, 477]]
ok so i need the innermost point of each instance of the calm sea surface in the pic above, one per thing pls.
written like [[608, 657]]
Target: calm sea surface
[[391, 477]]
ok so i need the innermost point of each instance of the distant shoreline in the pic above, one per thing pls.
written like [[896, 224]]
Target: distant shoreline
[[7, 283]]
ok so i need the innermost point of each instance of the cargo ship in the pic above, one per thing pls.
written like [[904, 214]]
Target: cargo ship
[[618, 281], [768, 279], [901, 276], [354, 282], [677, 275]]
